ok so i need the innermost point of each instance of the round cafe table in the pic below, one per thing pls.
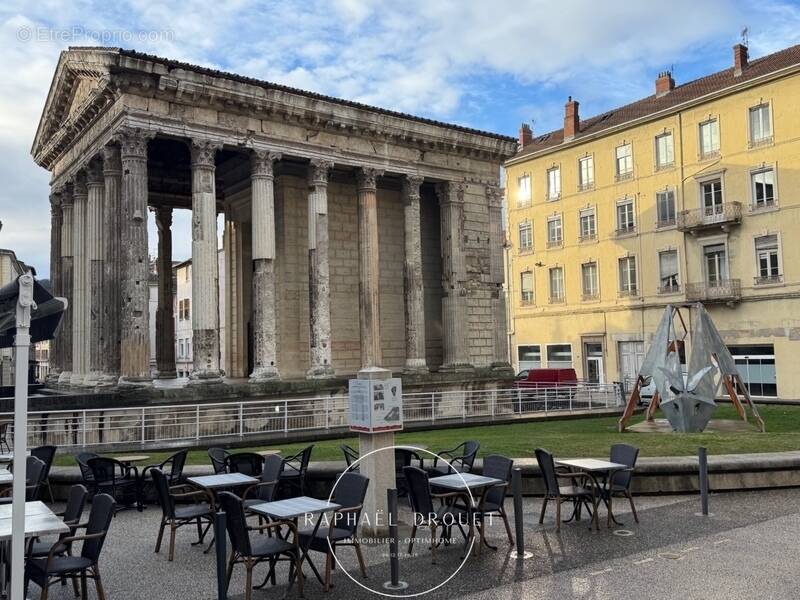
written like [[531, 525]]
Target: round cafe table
[[129, 459], [269, 451]]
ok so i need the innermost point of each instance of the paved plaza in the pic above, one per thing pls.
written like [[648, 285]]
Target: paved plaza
[[747, 549]]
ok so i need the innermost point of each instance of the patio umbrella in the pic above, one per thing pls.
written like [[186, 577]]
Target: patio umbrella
[[28, 313]]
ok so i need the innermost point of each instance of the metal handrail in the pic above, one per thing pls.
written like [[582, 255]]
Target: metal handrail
[[727, 212]]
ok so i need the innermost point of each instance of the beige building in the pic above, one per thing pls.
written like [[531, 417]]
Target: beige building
[[354, 236], [688, 195]]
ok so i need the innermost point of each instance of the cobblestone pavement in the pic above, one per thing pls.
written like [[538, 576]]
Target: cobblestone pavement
[[747, 549]]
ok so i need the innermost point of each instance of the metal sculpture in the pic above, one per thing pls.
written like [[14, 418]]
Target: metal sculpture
[[688, 401]]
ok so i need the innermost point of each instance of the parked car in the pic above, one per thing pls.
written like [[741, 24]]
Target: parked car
[[555, 386]]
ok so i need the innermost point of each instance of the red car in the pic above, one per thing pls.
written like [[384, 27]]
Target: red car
[[552, 386]]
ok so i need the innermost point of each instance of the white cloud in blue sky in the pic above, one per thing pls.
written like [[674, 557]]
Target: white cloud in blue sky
[[488, 65]]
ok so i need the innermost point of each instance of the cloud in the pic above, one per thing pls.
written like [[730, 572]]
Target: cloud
[[483, 64]]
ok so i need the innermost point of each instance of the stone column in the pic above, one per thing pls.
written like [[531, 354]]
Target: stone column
[[112, 265], [414, 292], [369, 268], [67, 282], [319, 289], [455, 317], [205, 266], [56, 355], [80, 300], [94, 274], [165, 317], [496, 279], [264, 296], [135, 311]]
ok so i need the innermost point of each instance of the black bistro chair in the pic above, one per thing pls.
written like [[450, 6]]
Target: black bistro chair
[[404, 457], [253, 550], [247, 463], [461, 458], [117, 480], [425, 512], [293, 475], [83, 458], [4, 435], [264, 491], [172, 468], [199, 513], [349, 493], [46, 454], [217, 456], [351, 455], [493, 501], [34, 476], [579, 492], [620, 483], [57, 565], [76, 501]]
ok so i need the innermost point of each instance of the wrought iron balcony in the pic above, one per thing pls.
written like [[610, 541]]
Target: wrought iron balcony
[[590, 297], [721, 290], [625, 230], [556, 299], [629, 293], [672, 288], [768, 279], [555, 243], [723, 216], [589, 237]]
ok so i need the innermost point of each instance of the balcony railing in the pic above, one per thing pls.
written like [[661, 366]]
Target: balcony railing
[[589, 237], [555, 243], [768, 279], [629, 293], [767, 204], [585, 187], [663, 223], [722, 215], [590, 297], [721, 290], [556, 299], [672, 288], [625, 230]]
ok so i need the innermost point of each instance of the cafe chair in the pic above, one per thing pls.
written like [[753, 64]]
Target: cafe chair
[[404, 457], [56, 565], [578, 492], [293, 475], [117, 480], [46, 454], [493, 501], [620, 482], [264, 491], [198, 513], [217, 456], [253, 550], [422, 504], [34, 476], [343, 529], [247, 463], [461, 458], [4, 436], [351, 455], [175, 463], [83, 458]]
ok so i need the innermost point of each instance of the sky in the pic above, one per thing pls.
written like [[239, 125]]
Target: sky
[[485, 64]]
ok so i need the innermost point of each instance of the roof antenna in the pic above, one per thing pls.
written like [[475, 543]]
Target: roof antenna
[[745, 33]]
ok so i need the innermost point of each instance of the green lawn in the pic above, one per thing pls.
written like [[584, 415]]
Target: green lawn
[[579, 437]]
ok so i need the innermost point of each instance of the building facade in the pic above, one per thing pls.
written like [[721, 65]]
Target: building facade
[[689, 195], [354, 236]]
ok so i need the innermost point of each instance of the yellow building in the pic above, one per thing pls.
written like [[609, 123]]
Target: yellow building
[[691, 194]]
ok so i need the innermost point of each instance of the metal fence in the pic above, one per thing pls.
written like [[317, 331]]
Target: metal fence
[[188, 424]]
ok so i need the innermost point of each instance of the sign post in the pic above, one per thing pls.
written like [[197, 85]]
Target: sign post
[[376, 412]]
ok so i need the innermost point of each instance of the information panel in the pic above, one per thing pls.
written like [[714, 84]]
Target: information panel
[[376, 405]]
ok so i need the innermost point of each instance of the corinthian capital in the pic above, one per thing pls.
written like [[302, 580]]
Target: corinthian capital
[[450, 192], [262, 163], [411, 184], [94, 173], [133, 141], [67, 195], [111, 161], [494, 196], [79, 189], [367, 178], [203, 153], [318, 171]]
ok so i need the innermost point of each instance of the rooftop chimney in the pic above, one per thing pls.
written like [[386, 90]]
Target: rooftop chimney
[[739, 59], [572, 121], [525, 135], [664, 84]]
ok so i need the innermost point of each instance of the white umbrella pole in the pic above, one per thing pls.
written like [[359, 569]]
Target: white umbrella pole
[[22, 342]]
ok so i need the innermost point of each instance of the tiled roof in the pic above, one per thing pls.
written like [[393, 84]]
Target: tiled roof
[[681, 94], [174, 64]]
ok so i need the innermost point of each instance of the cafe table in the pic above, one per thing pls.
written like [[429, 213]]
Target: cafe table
[[129, 459], [221, 481], [594, 469], [477, 486], [293, 509]]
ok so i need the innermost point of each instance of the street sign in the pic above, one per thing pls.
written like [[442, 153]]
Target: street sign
[[376, 405]]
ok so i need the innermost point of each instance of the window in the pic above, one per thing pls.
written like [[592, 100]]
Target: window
[[556, 285], [559, 356], [668, 272], [526, 287], [554, 231], [183, 310], [767, 260], [523, 190], [585, 173], [756, 366], [665, 154], [709, 138], [712, 197], [665, 207], [525, 236], [588, 224], [529, 357], [716, 264], [554, 183], [627, 276], [589, 280], [626, 222], [180, 349], [763, 189], [760, 125], [624, 163]]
